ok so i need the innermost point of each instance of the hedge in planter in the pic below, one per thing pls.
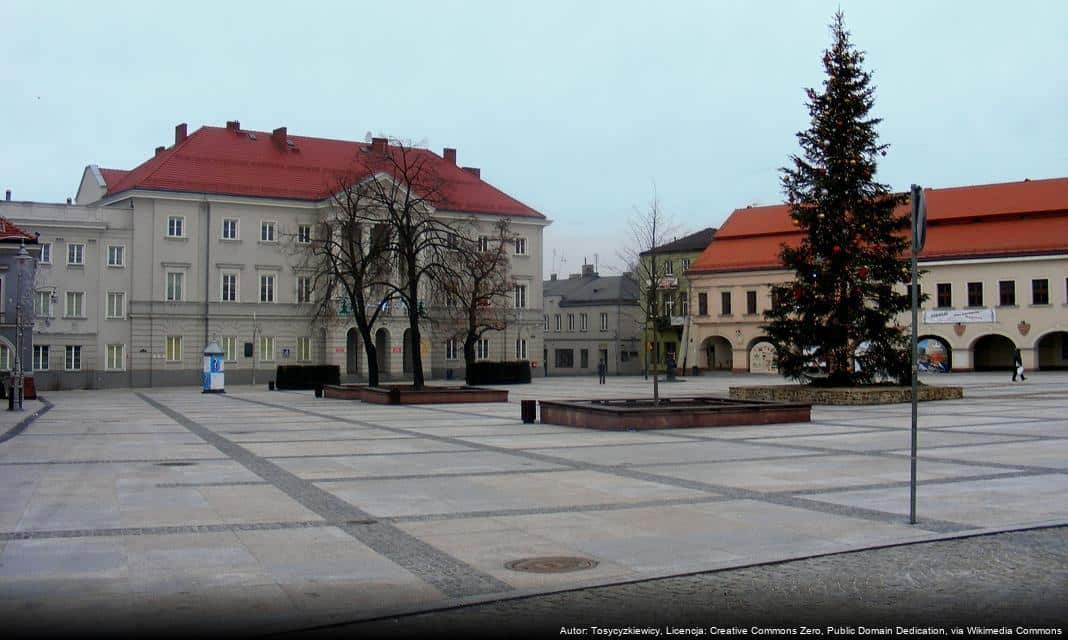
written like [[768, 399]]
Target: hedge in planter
[[485, 372], [307, 376]]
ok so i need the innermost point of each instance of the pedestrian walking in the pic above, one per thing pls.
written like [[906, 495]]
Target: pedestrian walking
[[602, 371], [1017, 365]]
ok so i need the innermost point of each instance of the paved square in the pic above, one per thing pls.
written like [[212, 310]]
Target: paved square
[[139, 510]]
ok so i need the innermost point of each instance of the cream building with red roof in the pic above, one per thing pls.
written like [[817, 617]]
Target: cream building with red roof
[[996, 263], [155, 261]]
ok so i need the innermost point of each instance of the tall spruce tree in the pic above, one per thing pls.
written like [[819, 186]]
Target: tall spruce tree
[[835, 323]]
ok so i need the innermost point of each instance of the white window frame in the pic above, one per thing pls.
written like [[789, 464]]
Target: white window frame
[[604, 321], [222, 286], [519, 296], [546, 322], [69, 359], [266, 348], [557, 322], [48, 310], [229, 347], [80, 295], [584, 322], [167, 293], [269, 228], [237, 229], [173, 354], [273, 288], [81, 253], [482, 349], [570, 322], [107, 305], [40, 350], [111, 365], [302, 237], [7, 361], [121, 264], [181, 226], [307, 290], [450, 349], [46, 253], [520, 246], [303, 349], [483, 243], [521, 348]]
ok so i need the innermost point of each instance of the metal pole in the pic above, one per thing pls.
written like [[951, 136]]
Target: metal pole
[[914, 285], [253, 349]]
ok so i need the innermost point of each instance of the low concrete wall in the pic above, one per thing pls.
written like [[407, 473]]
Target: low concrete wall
[[406, 395], [844, 395], [590, 415]]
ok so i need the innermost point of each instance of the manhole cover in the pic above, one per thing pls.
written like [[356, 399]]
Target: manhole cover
[[175, 464], [551, 564]]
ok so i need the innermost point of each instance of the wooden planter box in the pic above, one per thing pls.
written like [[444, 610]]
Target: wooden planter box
[[404, 394], [673, 413]]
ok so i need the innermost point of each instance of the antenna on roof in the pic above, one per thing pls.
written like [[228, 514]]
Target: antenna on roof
[[367, 136]]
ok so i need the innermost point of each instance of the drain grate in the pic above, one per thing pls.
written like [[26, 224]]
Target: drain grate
[[551, 564], [175, 464]]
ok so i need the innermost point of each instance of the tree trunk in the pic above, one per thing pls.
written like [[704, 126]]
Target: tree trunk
[[413, 324], [469, 355], [372, 362]]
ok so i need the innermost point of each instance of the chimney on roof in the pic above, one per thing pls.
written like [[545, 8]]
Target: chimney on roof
[[279, 137], [69, 201], [181, 132], [160, 150], [552, 276], [449, 155], [475, 171], [379, 145], [587, 270], [7, 195], [233, 125]]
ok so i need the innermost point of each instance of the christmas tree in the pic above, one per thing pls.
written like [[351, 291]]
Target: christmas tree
[[835, 323]]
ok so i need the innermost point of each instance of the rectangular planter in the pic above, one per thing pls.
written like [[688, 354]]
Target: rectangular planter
[[431, 395], [615, 415]]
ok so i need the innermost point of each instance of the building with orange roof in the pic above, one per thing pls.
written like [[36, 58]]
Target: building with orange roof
[[995, 269], [154, 262]]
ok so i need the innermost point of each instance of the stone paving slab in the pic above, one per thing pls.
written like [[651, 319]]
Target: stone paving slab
[[289, 511]]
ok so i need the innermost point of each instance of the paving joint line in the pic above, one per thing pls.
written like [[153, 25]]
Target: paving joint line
[[25, 423]]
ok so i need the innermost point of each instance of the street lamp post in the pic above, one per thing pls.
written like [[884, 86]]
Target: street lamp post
[[22, 260]]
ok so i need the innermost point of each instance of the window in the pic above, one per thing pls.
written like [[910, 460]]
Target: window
[[304, 233], [75, 307], [565, 358], [520, 246], [482, 350], [520, 296], [584, 322], [1040, 291], [229, 229], [40, 357], [176, 227], [669, 268], [266, 349], [558, 322], [944, 295], [546, 322], [229, 287], [175, 280], [266, 231], [604, 322], [73, 361], [520, 349], [116, 255], [584, 359], [667, 301], [266, 287], [450, 349], [1007, 293], [750, 302], [702, 304], [75, 254], [304, 289], [115, 359], [725, 303], [116, 304], [483, 243], [229, 347], [42, 304], [685, 264], [684, 303], [46, 253], [570, 322], [975, 294], [173, 348], [5, 357], [304, 349]]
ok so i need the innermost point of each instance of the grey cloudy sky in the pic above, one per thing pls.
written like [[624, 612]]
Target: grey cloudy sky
[[575, 108]]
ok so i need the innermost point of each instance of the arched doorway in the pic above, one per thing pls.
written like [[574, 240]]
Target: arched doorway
[[993, 353], [382, 351], [352, 351], [718, 354], [1052, 351], [762, 356], [406, 361], [934, 355]]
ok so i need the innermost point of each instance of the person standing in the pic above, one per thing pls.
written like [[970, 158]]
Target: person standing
[[1017, 365], [602, 370]]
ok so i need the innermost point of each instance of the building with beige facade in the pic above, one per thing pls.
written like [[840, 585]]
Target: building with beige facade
[[202, 242], [995, 268], [591, 318]]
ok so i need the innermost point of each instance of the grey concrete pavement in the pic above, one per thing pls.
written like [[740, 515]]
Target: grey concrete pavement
[[258, 512]]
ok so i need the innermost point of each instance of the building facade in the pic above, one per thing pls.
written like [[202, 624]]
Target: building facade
[[589, 319], [19, 254], [203, 242], [995, 268]]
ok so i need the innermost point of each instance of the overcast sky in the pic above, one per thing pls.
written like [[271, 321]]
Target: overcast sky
[[575, 108]]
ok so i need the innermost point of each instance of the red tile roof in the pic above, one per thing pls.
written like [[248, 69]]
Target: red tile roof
[[1013, 218], [248, 163], [9, 232], [112, 176]]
